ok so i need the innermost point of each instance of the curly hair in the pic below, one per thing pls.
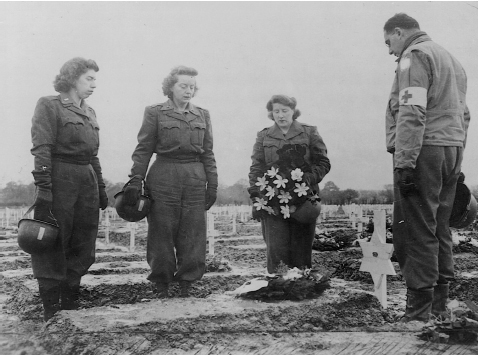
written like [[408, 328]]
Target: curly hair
[[172, 79], [283, 100], [401, 20], [71, 71]]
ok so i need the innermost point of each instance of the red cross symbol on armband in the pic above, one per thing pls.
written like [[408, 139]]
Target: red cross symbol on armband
[[406, 96]]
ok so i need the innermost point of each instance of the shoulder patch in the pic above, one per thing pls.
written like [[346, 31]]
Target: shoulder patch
[[405, 63]]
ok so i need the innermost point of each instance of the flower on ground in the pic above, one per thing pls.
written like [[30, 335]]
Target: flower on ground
[[301, 189], [260, 204], [296, 174], [280, 182], [285, 211], [284, 197], [261, 182], [270, 192], [272, 172]]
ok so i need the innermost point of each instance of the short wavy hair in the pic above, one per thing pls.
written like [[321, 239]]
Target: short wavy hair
[[283, 100], [71, 71], [401, 20], [172, 79]]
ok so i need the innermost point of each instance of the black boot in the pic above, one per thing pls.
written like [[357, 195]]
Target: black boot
[[162, 289], [440, 299], [51, 300], [419, 305], [184, 287], [69, 296]]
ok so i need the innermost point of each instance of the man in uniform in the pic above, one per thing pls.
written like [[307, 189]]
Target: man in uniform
[[426, 126]]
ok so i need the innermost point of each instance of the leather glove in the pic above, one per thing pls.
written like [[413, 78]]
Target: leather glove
[[406, 181], [257, 215], [132, 190], [461, 178], [309, 179], [211, 195], [103, 198], [43, 205], [253, 194]]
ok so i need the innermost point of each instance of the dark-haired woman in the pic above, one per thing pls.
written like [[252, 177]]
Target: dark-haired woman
[[287, 240], [69, 183], [182, 182]]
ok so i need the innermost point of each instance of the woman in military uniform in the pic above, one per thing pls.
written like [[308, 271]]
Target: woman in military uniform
[[69, 183], [287, 240], [182, 182]]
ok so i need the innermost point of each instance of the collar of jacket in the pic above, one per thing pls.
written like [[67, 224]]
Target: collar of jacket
[[414, 39], [168, 105], [68, 102], [295, 129]]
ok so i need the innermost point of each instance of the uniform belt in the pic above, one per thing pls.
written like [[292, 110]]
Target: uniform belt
[[72, 159], [184, 160]]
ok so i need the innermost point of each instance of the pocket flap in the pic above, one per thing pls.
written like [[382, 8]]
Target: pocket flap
[[169, 124], [199, 125]]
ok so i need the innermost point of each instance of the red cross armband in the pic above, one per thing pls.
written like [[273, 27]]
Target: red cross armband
[[413, 95]]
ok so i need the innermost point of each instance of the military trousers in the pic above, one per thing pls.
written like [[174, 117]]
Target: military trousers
[[176, 245], [76, 208], [288, 241], [421, 234]]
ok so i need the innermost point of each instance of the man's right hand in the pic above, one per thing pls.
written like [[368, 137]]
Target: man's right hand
[[406, 181]]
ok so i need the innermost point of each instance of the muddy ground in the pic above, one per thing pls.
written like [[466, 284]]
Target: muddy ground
[[119, 313]]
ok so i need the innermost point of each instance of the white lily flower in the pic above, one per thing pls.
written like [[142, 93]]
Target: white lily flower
[[284, 197], [301, 189], [280, 182], [270, 192], [296, 174], [261, 182], [285, 211], [272, 172]]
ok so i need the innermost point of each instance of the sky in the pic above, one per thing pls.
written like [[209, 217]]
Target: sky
[[330, 56]]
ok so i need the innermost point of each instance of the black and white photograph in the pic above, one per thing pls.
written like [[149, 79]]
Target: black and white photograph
[[238, 177]]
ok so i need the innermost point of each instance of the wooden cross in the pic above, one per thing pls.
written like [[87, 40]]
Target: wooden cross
[[376, 257]]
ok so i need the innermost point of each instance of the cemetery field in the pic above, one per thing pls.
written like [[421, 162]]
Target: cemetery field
[[119, 313]]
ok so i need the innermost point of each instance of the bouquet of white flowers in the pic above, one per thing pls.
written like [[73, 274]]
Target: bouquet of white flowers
[[282, 189]]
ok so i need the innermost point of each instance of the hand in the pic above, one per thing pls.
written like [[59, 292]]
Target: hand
[[211, 195], [44, 199], [461, 178], [257, 215], [103, 198], [253, 194], [43, 205], [406, 181], [132, 190], [309, 179]]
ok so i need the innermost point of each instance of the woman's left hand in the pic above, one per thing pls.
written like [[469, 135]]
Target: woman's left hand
[[211, 196], [103, 198]]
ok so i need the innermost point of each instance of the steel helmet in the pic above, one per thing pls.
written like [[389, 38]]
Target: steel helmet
[[464, 207], [307, 212], [36, 237], [132, 213]]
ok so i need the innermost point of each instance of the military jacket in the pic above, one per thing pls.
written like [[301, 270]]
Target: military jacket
[[174, 135], [427, 104], [61, 129]]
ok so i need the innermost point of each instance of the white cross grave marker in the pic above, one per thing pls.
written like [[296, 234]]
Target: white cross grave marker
[[132, 228], [376, 257]]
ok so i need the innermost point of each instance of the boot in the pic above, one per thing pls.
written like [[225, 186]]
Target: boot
[[162, 289], [69, 296], [184, 287], [440, 299], [419, 305], [51, 300]]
